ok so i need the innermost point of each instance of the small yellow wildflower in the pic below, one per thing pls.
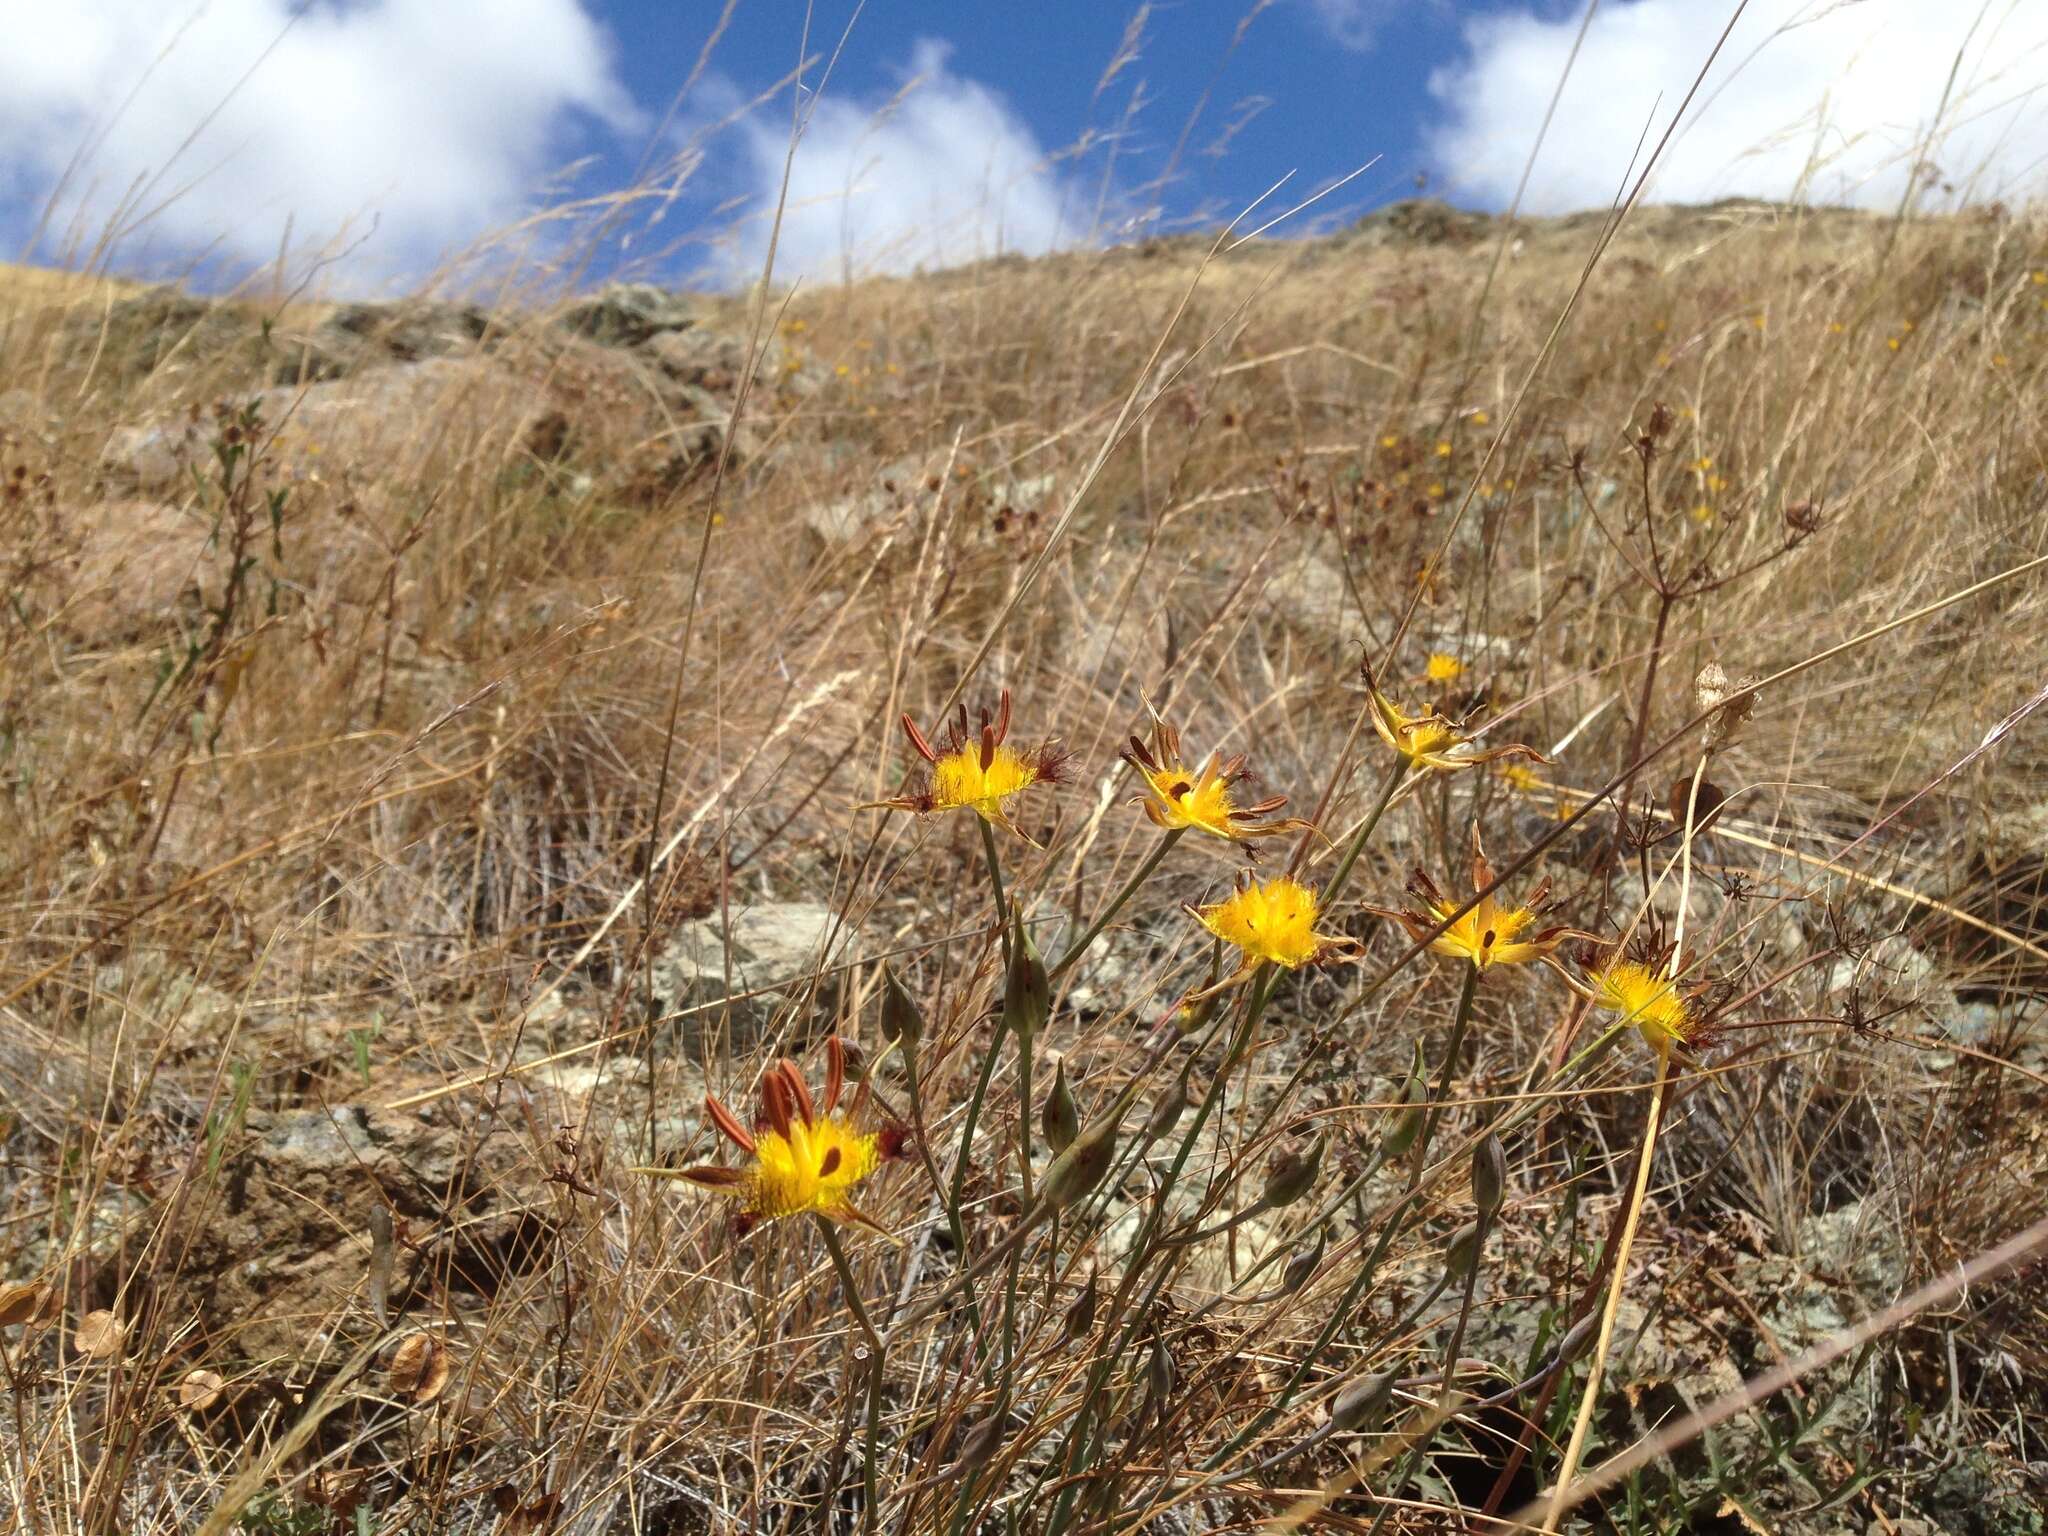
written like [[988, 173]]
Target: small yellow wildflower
[[1179, 799], [1645, 999], [1391, 440], [976, 771], [1436, 490], [1273, 923], [1489, 934], [1716, 484], [1443, 449], [1836, 328], [1433, 741], [1757, 321], [1703, 515], [2040, 278], [1702, 465], [800, 1160], [1480, 418], [1999, 360], [1442, 668], [1892, 342], [841, 370]]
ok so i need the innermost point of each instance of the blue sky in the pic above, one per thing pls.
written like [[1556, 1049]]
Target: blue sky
[[364, 141]]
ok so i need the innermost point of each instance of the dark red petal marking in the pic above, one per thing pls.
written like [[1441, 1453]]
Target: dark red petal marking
[[829, 1164]]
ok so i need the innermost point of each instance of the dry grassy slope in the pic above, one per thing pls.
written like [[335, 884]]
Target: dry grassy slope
[[305, 809]]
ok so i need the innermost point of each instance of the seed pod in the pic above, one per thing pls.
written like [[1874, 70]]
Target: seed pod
[[418, 1372], [99, 1335], [1489, 1177], [1303, 1264], [27, 1301], [1027, 990], [1080, 1320], [1082, 1166], [1060, 1121], [900, 1019], [1362, 1407], [1292, 1173], [200, 1390], [1461, 1253], [1405, 1124]]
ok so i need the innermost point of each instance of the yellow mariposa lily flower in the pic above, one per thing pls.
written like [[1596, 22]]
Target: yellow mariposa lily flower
[[1488, 935], [801, 1159], [976, 770], [1433, 741], [1273, 922], [1203, 799]]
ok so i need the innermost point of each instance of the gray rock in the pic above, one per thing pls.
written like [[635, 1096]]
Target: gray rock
[[776, 950], [628, 314]]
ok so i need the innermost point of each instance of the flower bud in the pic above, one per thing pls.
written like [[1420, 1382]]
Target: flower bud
[[1080, 1321], [1292, 1173], [1406, 1122], [1461, 1253], [1167, 1110], [1060, 1121], [901, 1022], [1303, 1264], [1489, 1177], [1027, 990], [1362, 1407], [1159, 1371], [1084, 1163]]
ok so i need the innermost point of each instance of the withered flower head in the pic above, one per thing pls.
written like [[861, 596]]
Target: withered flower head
[[1434, 742], [977, 769], [1273, 922], [1203, 799], [801, 1159], [1490, 934]]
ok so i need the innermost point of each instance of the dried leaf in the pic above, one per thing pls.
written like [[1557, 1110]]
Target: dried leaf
[[99, 1335], [419, 1369]]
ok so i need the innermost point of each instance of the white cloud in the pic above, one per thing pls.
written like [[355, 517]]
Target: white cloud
[[1355, 24], [1826, 100], [411, 126], [940, 173]]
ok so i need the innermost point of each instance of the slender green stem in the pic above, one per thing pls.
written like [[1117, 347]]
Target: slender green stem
[[995, 881], [871, 1432], [1450, 1064], [1334, 886], [1117, 902]]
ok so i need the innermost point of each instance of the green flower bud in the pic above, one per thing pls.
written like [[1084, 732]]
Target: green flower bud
[[1303, 1264], [1060, 1121], [1362, 1407], [1292, 1173], [900, 1019], [1167, 1110], [1461, 1254], [1027, 990], [1489, 1177], [1084, 1163], [1406, 1122], [1080, 1321]]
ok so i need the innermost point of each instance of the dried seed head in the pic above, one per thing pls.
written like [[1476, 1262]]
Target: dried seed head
[[1489, 1177], [901, 1022], [1027, 991], [979, 1444], [1292, 1173], [1362, 1407], [99, 1335], [200, 1390], [1660, 423], [1159, 1371], [1059, 1119], [1732, 700], [418, 1372]]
